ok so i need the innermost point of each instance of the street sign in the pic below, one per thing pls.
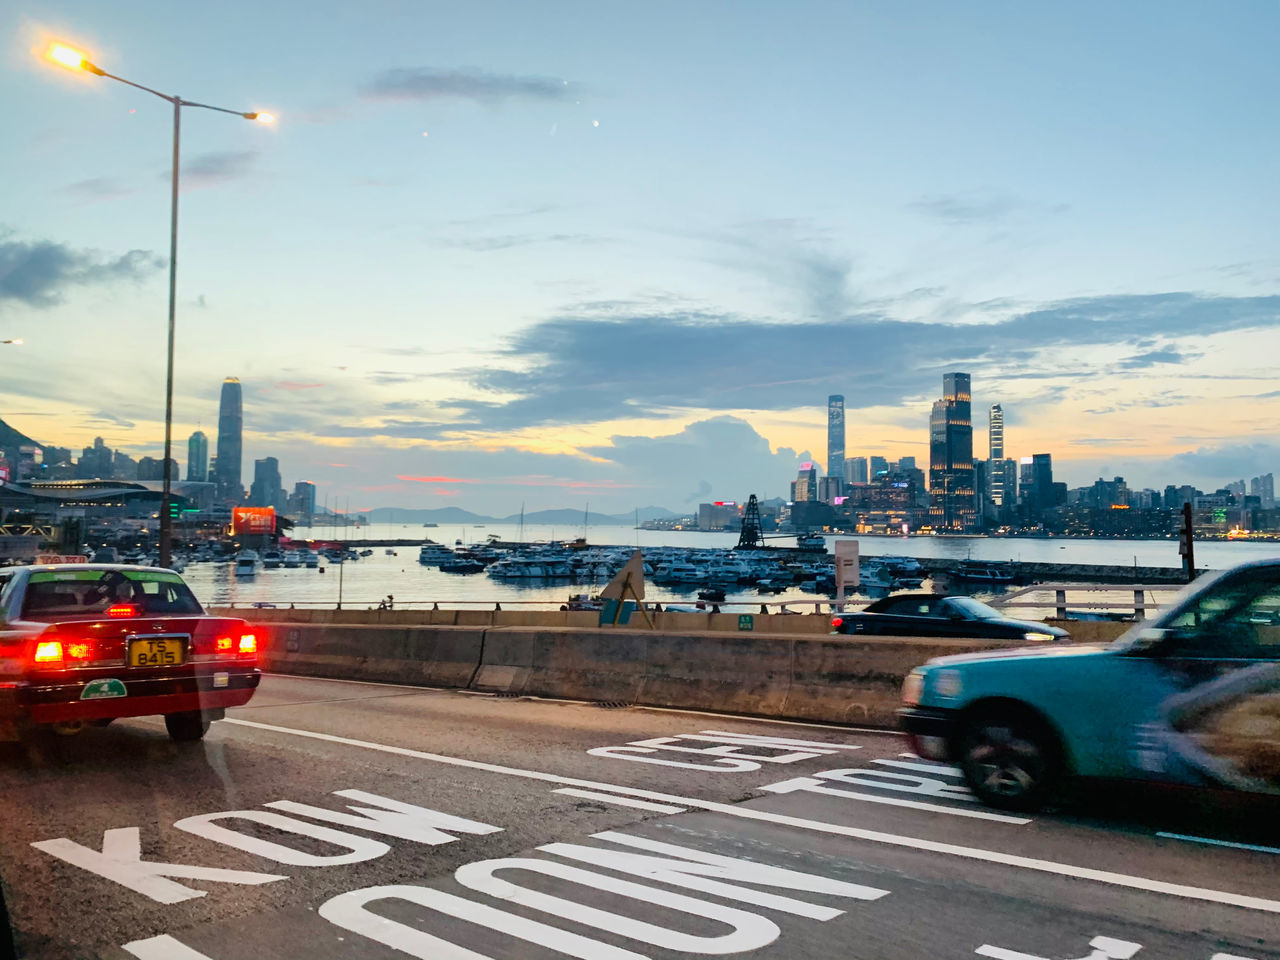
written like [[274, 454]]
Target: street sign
[[746, 621]]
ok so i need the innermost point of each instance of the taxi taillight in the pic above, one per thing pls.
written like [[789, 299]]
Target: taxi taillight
[[224, 644], [48, 651], [837, 623], [248, 645]]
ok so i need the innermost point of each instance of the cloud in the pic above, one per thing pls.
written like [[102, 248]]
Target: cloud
[[295, 385], [1151, 358], [37, 272], [596, 366], [97, 188], [1108, 441], [1224, 463], [478, 86], [104, 416], [212, 169], [506, 241], [965, 208], [401, 476]]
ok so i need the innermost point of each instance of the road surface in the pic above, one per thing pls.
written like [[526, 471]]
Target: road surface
[[330, 819]]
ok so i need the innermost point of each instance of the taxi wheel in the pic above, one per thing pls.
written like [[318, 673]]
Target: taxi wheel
[[1011, 760], [185, 727]]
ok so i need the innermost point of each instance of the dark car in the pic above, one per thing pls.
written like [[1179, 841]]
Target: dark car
[[931, 615]]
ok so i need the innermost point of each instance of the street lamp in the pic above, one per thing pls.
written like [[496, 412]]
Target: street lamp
[[75, 60], [17, 342]]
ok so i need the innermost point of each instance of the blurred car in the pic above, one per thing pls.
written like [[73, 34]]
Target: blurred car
[[932, 615], [89, 643], [1190, 698]]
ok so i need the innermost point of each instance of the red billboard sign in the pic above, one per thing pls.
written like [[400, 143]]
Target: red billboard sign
[[245, 520]]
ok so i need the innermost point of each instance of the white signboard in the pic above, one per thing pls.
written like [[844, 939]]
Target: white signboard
[[847, 570]]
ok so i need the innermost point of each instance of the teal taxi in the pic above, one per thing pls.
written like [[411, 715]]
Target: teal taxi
[[1191, 697]]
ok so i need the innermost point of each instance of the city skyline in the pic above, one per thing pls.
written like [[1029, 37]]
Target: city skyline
[[526, 305]]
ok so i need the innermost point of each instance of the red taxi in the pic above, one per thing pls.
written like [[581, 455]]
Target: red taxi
[[89, 643]]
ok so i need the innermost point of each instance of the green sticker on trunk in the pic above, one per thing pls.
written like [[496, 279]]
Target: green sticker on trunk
[[103, 689]]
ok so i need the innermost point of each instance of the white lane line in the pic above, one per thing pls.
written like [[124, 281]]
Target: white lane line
[[814, 785], [922, 767], [620, 801], [802, 823], [530, 697], [785, 723], [362, 683], [1220, 843]]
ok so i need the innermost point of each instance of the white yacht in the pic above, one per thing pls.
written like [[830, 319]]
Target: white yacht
[[677, 572], [247, 563], [293, 559], [272, 559], [310, 559], [434, 554], [530, 568]]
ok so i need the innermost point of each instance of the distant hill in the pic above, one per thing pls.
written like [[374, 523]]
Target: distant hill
[[438, 515], [564, 516], [11, 439]]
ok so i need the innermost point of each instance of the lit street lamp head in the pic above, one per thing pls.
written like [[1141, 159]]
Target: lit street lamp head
[[261, 117], [72, 59]]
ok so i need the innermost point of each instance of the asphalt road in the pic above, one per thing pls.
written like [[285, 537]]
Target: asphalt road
[[330, 819]]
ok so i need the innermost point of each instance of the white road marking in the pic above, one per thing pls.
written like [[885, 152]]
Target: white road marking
[[1103, 948], [923, 767], [818, 826], [814, 785], [163, 947], [620, 801], [1220, 843]]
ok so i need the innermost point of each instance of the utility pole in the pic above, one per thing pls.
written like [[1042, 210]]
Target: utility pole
[[1186, 545]]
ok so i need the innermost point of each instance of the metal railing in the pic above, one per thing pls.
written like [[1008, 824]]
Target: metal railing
[[1139, 604]]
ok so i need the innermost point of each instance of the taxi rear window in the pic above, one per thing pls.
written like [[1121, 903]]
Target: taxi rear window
[[51, 594]]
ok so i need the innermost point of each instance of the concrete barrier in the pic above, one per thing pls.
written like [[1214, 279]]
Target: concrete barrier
[[833, 679], [431, 656]]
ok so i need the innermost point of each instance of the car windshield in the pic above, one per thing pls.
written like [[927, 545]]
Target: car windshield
[[973, 609], [82, 593]]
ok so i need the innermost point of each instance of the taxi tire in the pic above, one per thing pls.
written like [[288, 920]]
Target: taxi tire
[[1011, 759], [186, 727]]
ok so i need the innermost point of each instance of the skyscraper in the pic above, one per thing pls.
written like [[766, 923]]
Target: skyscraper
[[951, 504], [835, 436], [1036, 485], [855, 470], [198, 457], [879, 465], [995, 432], [304, 500], [267, 490], [230, 440], [999, 491]]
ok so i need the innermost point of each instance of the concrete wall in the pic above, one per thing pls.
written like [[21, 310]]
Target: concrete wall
[[835, 679]]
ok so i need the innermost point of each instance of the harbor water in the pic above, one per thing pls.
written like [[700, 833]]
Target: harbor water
[[366, 582]]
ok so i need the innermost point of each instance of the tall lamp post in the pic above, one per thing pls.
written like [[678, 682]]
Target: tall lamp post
[[75, 60]]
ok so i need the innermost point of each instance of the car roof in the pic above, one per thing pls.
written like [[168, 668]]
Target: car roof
[[43, 567]]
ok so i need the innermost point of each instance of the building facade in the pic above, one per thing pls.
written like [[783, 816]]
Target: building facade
[[855, 470], [267, 490], [230, 440], [198, 457], [951, 503], [835, 436]]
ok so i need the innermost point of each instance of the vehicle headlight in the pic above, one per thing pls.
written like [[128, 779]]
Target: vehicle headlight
[[1036, 636], [947, 683], [913, 688]]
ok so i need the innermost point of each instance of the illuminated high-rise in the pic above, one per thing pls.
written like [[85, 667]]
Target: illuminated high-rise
[[230, 440], [835, 436], [951, 505], [995, 432], [198, 457]]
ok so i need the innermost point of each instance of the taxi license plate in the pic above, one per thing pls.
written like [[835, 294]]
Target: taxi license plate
[[157, 651]]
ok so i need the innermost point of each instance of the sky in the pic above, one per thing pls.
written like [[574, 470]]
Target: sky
[[559, 253]]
